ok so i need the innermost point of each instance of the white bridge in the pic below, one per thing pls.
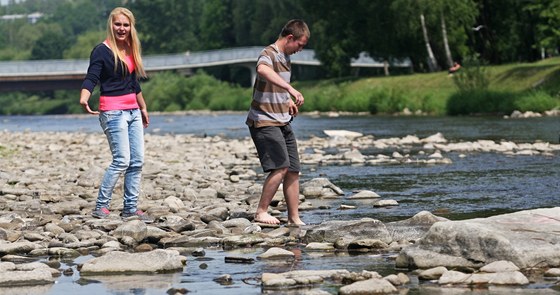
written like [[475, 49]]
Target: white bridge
[[68, 74]]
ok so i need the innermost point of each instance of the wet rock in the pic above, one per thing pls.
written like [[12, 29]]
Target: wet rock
[[241, 241], [68, 272], [278, 232], [122, 263], [276, 253], [499, 266], [432, 273], [18, 259], [320, 188], [154, 234], [175, 204], [371, 286], [553, 272], [175, 223], [39, 276], [364, 195], [240, 260], [224, 280], [143, 248], [113, 245], [198, 252], [413, 228], [34, 237], [354, 156], [177, 291], [398, 279], [385, 203], [55, 229], [208, 193], [366, 245], [135, 229], [63, 252], [237, 222], [513, 237], [300, 278], [68, 238], [314, 246], [330, 231], [501, 278], [17, 248], [252, 229]]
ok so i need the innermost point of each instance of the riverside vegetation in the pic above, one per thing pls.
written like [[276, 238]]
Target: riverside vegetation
[[476, 89]]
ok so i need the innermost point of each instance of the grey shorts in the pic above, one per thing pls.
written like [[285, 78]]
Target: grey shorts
[[277, 147]]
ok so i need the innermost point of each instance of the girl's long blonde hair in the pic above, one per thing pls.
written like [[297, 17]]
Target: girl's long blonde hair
[[133, 42]]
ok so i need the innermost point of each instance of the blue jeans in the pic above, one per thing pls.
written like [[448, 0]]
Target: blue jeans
[[125, 134]]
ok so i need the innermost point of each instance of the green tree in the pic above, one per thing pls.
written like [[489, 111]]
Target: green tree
[[85, 43], [547, 13], [216, 25], [168, 26], [243, 11], [50, 45], [444, 33], [271, 15], [78, 16], [338, 32], [507, 33]]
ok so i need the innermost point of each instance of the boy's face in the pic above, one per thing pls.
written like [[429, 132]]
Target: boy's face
[[295, 45]]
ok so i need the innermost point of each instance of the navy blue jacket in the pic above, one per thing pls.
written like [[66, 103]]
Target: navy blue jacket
[[102, 69]]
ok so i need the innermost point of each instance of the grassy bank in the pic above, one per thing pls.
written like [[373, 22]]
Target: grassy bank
[[482, 90], [525, 87]]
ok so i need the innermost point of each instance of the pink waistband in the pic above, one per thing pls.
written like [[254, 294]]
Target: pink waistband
[[121, 102]]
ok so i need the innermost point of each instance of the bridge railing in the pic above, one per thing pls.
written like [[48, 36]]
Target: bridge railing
[[242, 55]]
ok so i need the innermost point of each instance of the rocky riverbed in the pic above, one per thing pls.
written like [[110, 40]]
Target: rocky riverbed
[[202, 192]]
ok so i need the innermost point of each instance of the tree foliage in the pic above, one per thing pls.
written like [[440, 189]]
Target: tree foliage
[[497, 31]]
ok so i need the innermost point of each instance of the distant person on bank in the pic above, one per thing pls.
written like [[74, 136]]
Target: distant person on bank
[[275, 103], [116, 64], [456, 66]]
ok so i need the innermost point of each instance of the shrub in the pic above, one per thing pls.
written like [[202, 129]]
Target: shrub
[[472, 76], [480, 102], [536, 101]]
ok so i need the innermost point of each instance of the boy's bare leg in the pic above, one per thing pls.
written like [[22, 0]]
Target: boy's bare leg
[[291, 193], [270, 187]]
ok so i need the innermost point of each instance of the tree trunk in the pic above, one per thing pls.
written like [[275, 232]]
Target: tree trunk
[[386, 67], [446, 42], [432, 63]]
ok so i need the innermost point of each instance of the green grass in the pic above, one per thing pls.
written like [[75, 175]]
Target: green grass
[[523, 86]]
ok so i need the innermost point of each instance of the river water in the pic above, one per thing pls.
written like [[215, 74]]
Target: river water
[[478, 185]]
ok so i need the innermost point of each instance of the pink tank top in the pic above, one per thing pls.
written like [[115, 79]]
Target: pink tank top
[[121, 102]]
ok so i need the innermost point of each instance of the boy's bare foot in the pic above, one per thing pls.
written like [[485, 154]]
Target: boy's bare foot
[[266, 218], [295, 222]]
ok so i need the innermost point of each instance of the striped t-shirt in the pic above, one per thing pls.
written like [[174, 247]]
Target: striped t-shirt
[[270, 105]]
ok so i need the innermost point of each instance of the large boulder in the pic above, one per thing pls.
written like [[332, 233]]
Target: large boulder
[[157, 261], [365, 228], [413, 228], [476, 242]]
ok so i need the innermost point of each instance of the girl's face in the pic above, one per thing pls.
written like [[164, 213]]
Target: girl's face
[[121, 28]]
